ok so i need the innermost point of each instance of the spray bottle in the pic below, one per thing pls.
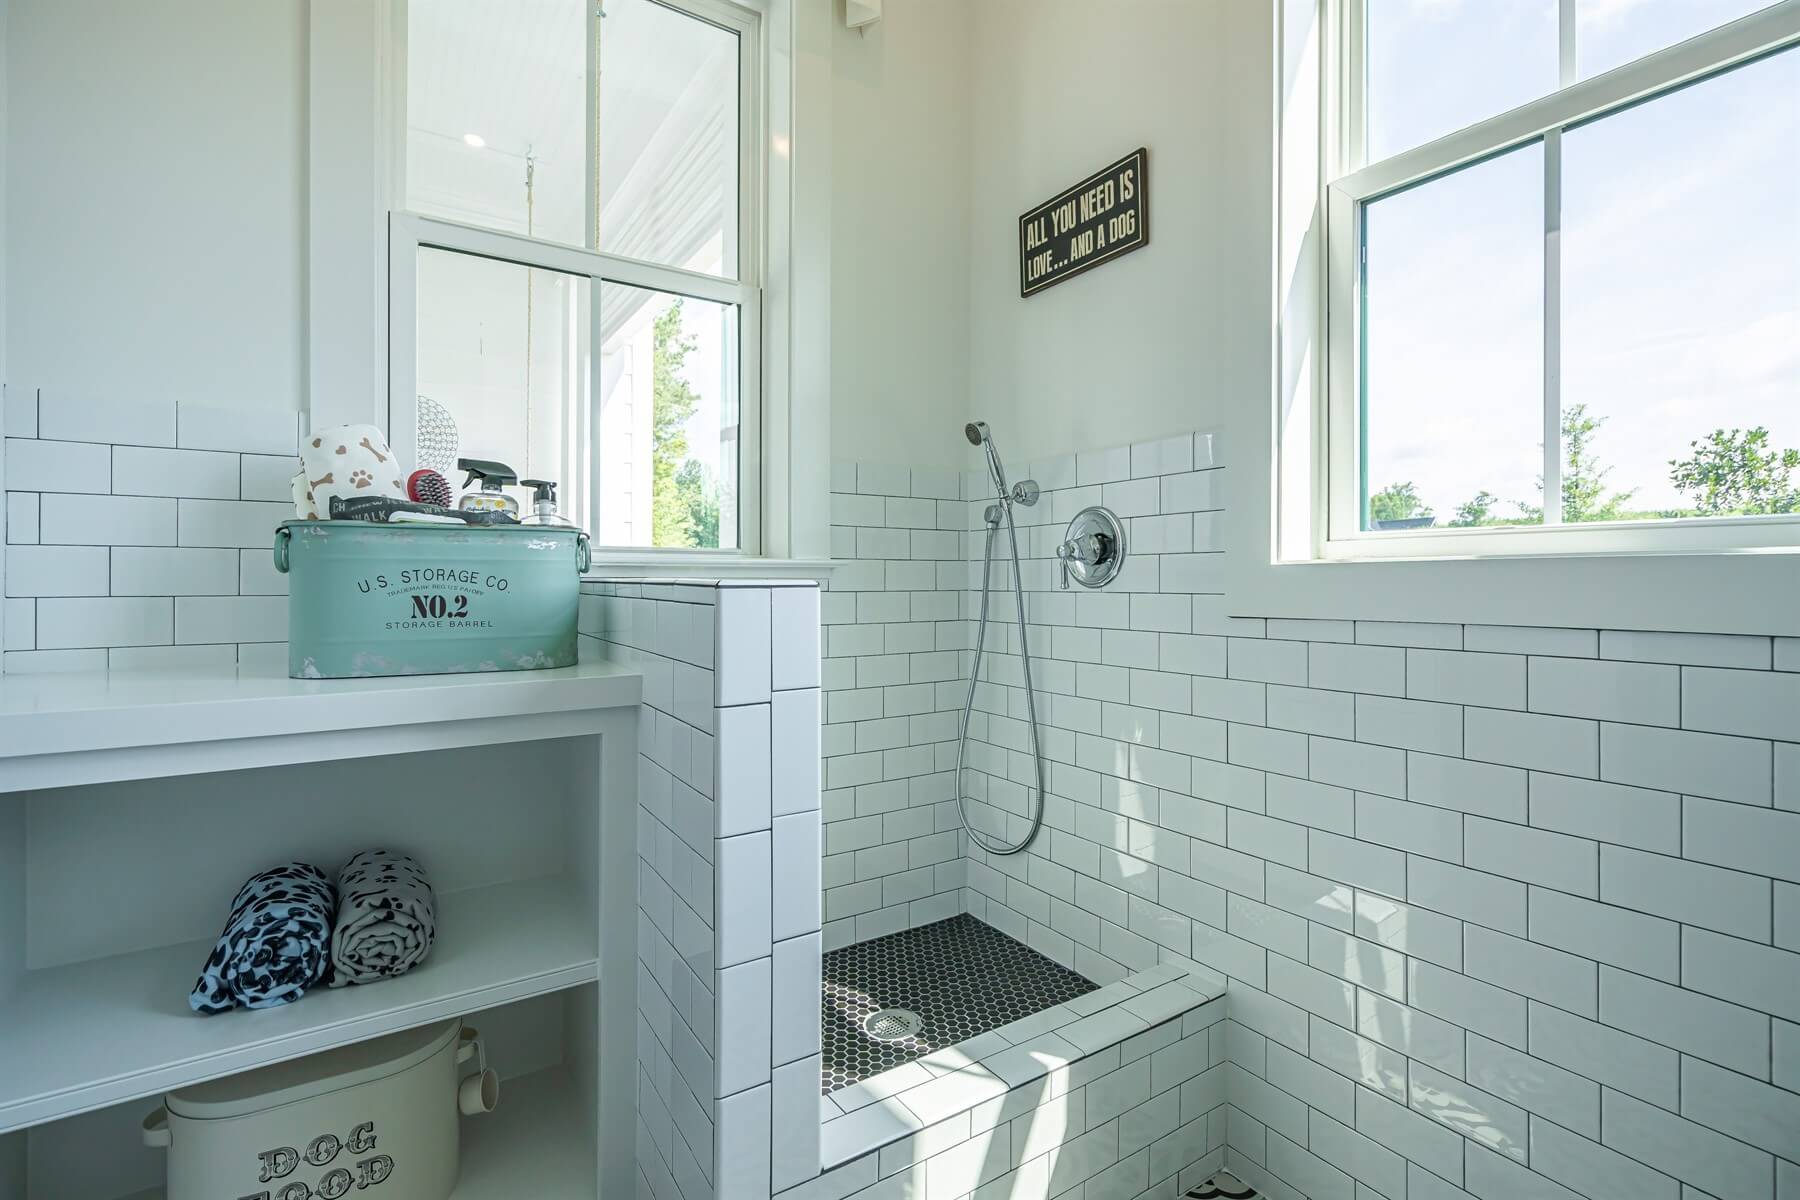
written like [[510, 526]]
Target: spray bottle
[[490, 498]]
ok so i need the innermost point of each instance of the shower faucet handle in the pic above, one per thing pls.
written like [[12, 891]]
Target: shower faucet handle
[[1084, 548], [1093, 548], [1088, 549]]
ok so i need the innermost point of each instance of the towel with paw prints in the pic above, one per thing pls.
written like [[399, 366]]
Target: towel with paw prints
[[349, 461], [385, 918]]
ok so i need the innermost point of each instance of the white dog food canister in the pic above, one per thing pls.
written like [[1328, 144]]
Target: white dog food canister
[[377, 1120]]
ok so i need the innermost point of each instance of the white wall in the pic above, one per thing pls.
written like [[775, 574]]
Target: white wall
[[156, 237], [1146, 345], [900, 235], [5, 22]]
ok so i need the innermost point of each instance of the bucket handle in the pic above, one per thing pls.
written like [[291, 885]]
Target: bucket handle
[[480, 1092], [282, 536], [469, 1045], [156, 1128], [584, 554]]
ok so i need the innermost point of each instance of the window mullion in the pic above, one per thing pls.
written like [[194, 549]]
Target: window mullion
[[596, 440], [1565, 42], [592, 183], [1343, 391], [1353, 91], [575, 260], [403, 366], [1553, 508]]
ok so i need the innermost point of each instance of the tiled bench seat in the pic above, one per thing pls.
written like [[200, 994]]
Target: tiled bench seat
[[1163, 1013]]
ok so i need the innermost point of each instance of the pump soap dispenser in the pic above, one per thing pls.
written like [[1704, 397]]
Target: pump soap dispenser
[[543, 498], [490, 499]]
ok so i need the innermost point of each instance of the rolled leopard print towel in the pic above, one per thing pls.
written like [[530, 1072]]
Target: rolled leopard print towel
[[276, 944], [385, 918]]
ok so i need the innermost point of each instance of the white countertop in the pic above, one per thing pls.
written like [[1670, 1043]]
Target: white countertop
[[42, 714], [46, 718]]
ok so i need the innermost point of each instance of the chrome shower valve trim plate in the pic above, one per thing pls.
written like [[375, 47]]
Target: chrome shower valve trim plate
[[1093, 548]]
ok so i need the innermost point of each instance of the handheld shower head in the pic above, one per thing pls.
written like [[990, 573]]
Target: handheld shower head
[[979, 434]]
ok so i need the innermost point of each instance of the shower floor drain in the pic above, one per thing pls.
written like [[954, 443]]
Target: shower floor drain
[[892, 1024]]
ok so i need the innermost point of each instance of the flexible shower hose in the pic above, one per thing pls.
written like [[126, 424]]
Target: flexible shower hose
[[992, 845]]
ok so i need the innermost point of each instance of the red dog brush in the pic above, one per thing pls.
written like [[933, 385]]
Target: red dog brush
[[426, 486]]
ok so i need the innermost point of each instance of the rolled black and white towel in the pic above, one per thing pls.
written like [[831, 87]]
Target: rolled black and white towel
[[385, 918], [276, 944]]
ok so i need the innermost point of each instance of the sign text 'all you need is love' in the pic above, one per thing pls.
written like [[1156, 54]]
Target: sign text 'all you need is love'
[[1105, 215]]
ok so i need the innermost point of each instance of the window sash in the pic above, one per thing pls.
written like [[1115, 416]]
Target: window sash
[[409, 232], [1763, 32], [1352, 185]]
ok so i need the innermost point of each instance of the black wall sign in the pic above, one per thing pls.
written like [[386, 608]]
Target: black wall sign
[[1105, 215]]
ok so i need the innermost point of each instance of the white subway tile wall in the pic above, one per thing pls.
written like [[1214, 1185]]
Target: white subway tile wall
[[894, 676], [138, 534], [1507, 910]]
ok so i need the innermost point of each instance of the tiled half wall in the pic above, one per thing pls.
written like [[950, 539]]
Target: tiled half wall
[[138, 533], [1506, 911], [728, 878]]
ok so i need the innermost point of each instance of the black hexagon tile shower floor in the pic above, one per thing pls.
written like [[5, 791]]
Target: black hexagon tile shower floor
[[960, 975]]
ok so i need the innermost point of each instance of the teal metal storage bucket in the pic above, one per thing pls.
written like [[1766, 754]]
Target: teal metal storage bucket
[[368, 599]]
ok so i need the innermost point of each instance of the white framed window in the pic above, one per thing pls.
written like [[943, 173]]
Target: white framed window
[[577, 257], [1560, 310]]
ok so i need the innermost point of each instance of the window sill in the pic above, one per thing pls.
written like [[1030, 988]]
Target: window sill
[[1707, 537], [1742, 591], [703, 564]]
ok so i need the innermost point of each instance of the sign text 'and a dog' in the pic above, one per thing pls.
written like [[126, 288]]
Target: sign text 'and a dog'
[[1105, 215]]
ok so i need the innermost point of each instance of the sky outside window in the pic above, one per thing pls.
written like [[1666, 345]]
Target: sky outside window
[[1681, 264]]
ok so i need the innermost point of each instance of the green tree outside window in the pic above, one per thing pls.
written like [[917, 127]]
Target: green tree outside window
[[1397, 502], [1729, 473], [1736, 473], [684, 497]]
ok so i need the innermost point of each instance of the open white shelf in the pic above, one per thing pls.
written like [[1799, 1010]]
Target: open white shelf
[[518, 790], [540, 1137], [91, 1034]]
